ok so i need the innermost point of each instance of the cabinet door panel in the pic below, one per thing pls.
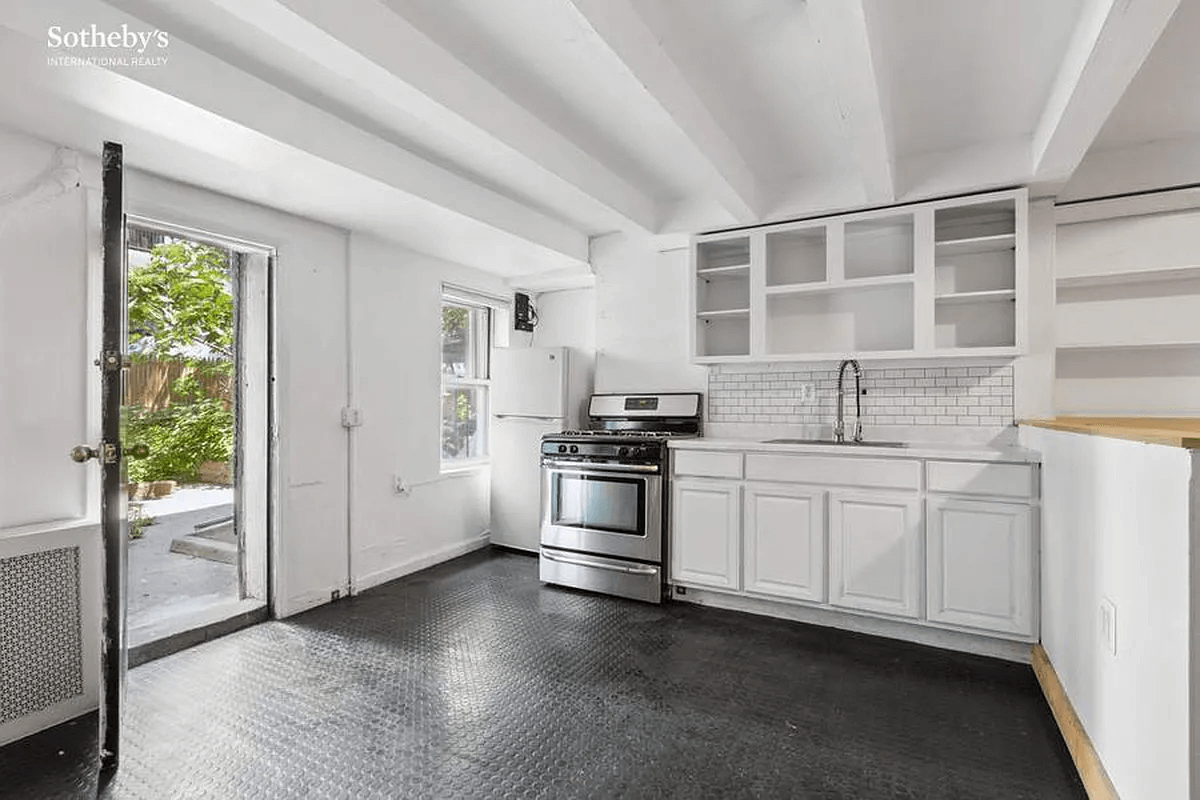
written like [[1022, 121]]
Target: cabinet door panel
[[705, 533], [875, 543], [785, 541], [980, 565]]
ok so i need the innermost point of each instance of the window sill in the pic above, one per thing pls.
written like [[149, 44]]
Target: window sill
[[465, 466]]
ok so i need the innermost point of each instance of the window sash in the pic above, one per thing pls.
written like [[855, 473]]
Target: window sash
[[477, 366]]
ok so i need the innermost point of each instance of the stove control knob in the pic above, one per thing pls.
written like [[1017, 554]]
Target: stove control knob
[[562, 448], [624, 451], [574, 448]]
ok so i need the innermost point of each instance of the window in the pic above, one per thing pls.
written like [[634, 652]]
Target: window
[[465, 379]]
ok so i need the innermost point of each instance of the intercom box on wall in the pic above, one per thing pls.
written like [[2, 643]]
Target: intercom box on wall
[[524, 317]]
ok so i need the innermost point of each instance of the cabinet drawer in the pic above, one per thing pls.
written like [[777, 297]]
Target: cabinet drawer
[[707, 464], [993, 480], [875, 473]]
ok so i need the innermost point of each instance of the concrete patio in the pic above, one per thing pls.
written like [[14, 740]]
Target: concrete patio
[[166, 588]]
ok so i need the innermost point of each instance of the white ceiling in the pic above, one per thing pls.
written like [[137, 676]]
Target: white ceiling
[[504, 134]]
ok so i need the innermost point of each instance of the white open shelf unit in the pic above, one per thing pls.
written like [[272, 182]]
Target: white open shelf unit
[[1127, 315], [943, 278]]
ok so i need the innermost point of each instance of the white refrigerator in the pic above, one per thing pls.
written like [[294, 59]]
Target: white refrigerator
[[535, 390]]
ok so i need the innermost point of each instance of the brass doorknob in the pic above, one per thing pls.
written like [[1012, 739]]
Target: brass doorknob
[[81, 453]]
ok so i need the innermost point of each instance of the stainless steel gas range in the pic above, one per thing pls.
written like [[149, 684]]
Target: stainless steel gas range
[[605, 494]]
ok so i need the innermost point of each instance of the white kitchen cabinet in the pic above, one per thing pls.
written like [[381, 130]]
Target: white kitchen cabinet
[[706, 533], [940, 278], [784, 541], [979, 563], [875, 552]]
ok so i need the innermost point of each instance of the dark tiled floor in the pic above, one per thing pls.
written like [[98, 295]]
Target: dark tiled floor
[[473, 680]]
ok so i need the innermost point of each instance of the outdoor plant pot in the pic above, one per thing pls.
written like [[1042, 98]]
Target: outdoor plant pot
[[161, 488], [215, 472]]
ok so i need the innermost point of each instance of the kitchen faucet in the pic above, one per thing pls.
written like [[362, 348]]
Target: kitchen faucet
[[839, 429]]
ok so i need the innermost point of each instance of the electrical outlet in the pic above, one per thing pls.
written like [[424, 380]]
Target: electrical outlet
[[808, 393], [336, 594], [400, 485], [1108, 625]]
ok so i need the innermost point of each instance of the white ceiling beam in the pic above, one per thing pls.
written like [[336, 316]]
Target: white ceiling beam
[[371, 44], [1111, 41], [619, 26], [210, 84], [844, 43]]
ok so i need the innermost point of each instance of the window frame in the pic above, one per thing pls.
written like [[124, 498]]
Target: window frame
[[480, 354]]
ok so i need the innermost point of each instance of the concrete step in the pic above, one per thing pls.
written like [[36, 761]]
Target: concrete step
[[202, 546]]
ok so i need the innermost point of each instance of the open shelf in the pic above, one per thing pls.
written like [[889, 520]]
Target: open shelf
[[1106, 316], [731, 272], [974, 325], [1128, 346], [983, 224], [796, 256], [723, 336], [991, 296], [724, 312], [878, 318], [969, 245], [818, 288], [1133, 276], [1157, 379], [733, 252], [879, 247]]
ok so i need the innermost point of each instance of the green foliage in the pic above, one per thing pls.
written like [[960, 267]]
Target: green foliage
[[138, 522], [454, 321], [182, 301], [180, 437], [181, 298]]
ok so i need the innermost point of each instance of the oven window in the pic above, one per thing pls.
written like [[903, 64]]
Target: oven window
[[599, 503]]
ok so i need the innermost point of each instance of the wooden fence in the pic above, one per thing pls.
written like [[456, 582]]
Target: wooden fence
[[148, 383]]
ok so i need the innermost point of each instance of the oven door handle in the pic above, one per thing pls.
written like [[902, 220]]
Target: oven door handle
[[580, 468], [612, 567]]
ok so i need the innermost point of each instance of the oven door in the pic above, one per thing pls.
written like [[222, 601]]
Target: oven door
[[613, 509]]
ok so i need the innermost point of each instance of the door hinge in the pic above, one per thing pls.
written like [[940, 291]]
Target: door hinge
[[351, 417], [113, 361]]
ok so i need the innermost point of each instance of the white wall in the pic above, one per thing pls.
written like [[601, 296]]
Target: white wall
[[642, 317], [1115, 524], [395, 333], [43, 345]]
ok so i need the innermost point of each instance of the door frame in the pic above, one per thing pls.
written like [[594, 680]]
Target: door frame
[[269, 254]]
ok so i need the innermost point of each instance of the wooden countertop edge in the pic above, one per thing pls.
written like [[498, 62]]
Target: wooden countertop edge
[[1146, 432]]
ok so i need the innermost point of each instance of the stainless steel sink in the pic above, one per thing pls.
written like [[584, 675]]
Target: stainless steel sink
[[847, 443]]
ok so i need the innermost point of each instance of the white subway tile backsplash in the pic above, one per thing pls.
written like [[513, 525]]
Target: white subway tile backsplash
[[974, 396]]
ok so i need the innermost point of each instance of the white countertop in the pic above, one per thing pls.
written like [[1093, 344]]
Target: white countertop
[[914, 449]]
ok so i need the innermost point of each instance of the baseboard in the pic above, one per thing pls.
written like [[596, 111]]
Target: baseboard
[[1004, 649], [1087, 761], [420, 562]]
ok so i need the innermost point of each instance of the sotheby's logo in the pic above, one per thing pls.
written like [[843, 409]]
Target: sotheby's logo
[[94, 46]]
